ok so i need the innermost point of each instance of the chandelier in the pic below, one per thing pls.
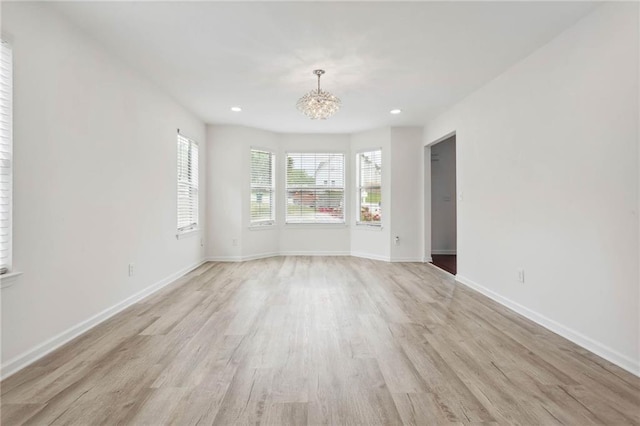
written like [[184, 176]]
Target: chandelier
[[318, 104]]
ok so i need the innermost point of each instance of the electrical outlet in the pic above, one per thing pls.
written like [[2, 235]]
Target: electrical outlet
[[234, 242], [521, 275], [131, 269], [397, 240], [201, 242]]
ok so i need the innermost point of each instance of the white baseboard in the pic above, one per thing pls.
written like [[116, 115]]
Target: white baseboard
[[406, 259], [622, 361], [315, 253], [274, 254], [370, 256], [30, 356], [444, 251], [241, 258]]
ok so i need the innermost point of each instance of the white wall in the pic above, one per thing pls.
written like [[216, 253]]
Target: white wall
[[94, 183], [228, 197], [228, 154], [406, 200], [443, 197], [371, 241], [228, 158], [548, 165]]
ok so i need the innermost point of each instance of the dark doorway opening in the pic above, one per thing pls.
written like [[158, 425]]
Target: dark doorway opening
[[448, 262], [443, 205]]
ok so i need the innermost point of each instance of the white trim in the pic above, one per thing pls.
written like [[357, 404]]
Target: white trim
[[315, 225], [622, 361], [188, 233], [444, 251], [226, 259], [427, 259], [315, 253], [370, 256], [30, 356], [364, 226], [263, 227], [9, 279], [303, 253], [406, 259], [241, 258], [312, 253]]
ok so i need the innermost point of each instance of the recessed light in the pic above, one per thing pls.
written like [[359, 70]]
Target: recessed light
[[236, 109], [395, 111]]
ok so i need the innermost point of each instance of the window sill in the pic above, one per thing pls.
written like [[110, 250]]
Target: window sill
[[189, 233], [7, 280], [369, 226], [294, 225], [264, 227]]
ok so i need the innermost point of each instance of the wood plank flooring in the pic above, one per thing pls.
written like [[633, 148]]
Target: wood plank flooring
[[333, 340]]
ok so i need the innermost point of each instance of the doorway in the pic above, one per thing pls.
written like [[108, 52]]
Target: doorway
[[443, 205]]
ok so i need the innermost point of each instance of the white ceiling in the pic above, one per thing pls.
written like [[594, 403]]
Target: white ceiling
[[420, 57]]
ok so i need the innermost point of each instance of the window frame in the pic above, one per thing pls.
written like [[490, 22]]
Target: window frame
[[358, 188], [8, 49], [345, 208], [273, 190], [190, 184]]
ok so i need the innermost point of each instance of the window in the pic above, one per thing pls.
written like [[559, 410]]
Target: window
[[6, 142], [369, 182], [262, 187], [315, 188], [187, 184]]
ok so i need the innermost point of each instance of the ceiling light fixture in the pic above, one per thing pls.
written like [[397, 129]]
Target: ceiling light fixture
[[236, 109], [318, 104], [395, 111]]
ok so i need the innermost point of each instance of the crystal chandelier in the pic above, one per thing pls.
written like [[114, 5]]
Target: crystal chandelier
[[318, 104]]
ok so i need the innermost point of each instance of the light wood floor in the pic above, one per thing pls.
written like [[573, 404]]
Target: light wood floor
[[299, 340]]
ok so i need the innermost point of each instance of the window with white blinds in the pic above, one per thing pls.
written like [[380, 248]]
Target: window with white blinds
[[262, 187], [369, 183], [187, 184], [315, 188], [6, 142]]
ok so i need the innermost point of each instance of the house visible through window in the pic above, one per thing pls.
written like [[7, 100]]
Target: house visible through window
[[6, 166], [262, 187], [187, 184], [315, 188], [369, 183]]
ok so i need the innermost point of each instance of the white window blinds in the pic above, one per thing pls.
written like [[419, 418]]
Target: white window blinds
[[315, 188], [262, 187], [6, 113], [187, 184], [369, 182]]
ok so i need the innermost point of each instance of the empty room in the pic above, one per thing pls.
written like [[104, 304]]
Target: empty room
[[319, 213]]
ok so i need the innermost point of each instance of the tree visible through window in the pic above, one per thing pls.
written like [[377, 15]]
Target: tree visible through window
[[369, 182], [315, 188], [262, 187]]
